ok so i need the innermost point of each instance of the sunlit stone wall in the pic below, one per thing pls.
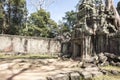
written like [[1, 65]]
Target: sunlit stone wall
[[22, 44]]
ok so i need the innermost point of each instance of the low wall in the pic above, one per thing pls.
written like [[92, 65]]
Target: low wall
[[21, 44]]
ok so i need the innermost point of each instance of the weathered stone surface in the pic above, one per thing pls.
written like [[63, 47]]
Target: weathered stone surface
[[29, 78], [41, 79], [75, 76], [118, 58], [107, 63], [105, 72], [114, 72], [96, 73], [19, 60], [110, 55], [21, 44], [6, 66], [86, 75], [90, 69], [56, 70], [112, 63], [86, 65], [118, 64], [102, 58], [59, 77]]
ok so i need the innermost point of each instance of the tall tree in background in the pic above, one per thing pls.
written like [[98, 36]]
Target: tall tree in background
[[62, 28], [67, 23], [39, 22], [2, 16], [15, 11], [41, 25], [70, 19]]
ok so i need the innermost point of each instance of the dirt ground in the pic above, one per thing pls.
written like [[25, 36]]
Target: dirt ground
[[34, 69]]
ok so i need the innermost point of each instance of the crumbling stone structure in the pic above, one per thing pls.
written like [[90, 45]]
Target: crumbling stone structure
[[95, 31]]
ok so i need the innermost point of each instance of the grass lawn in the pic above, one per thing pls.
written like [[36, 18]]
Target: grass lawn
[[110, 77], [111, 68], [28, 56]]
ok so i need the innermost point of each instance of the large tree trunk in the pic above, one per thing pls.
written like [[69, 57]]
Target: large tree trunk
[[118, 7], [110, 6]]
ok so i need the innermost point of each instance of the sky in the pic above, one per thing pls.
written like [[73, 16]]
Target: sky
[[58, 8]]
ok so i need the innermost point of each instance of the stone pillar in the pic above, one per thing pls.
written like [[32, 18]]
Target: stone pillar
[[83, 47], [74, 50], [86, 48], [100, 43], [119, 45]]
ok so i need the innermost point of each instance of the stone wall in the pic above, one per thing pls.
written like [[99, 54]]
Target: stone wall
[[89, 45], [21, 44], [108, 43]]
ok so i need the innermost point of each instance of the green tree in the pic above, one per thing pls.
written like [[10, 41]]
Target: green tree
[[70, 19], [62, 28], [15, 12], [40, 24], [2, 16]]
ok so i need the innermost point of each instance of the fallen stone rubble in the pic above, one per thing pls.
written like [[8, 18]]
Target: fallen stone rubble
[[105, 59], [85, 74], [46, 70], [39, 69]]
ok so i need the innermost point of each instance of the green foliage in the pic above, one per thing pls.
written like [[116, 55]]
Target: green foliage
[[68, 22], [70, 19], [12, 14], [16, 12], [105, 77], [13, 20], [62, 28], [40, 24], [28, 56], [2, 16], [40, 18]]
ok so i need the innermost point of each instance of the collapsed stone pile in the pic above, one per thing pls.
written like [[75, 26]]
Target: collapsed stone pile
[[84, 74], [105, 59]]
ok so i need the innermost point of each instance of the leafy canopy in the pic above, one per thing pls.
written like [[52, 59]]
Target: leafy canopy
[[40, 24]]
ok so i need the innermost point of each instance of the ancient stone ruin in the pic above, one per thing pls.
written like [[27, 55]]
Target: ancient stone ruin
[[97, 30]]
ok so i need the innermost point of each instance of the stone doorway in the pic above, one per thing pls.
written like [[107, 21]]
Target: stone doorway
[[77, 50]]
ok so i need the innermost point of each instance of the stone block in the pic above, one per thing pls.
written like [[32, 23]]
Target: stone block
[[92, 69], [86, 75], [59, 77], [75, 76], [96, 73]]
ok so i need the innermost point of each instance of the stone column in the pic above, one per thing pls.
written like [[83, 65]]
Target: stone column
[[74, 50], [119, 45], [86, 48]]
